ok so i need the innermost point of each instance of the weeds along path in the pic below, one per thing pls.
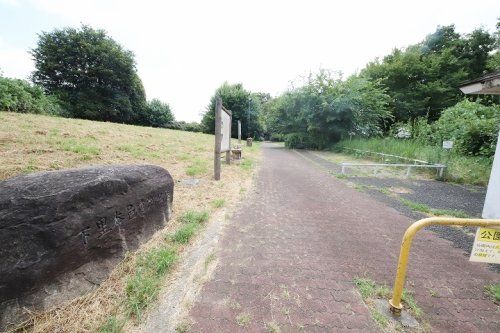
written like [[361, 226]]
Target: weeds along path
[[288, 259]]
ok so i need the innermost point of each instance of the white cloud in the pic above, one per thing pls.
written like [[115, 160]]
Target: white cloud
[[10, 2], [185, 49]]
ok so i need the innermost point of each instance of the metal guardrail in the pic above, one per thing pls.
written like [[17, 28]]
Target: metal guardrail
[[387, 155], [439, 167]]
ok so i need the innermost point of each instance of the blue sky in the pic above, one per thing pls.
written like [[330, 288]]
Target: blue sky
[[186, 49]]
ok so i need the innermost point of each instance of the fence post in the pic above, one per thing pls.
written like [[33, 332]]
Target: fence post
[[239, 132], [228, 153], [441, 171], [218, 137], [408, 172]]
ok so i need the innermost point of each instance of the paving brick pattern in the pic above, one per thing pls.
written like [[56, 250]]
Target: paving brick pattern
[[290, 254]]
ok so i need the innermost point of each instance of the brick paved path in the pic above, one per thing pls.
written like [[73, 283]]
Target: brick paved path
[[289, 257]]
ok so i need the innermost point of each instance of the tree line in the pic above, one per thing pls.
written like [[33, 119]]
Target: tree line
[[84, 73], [411, 87]]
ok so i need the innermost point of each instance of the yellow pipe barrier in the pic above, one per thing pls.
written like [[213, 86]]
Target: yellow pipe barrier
[[395, 303]]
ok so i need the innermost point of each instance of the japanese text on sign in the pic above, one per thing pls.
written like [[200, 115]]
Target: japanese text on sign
[[486, 246]]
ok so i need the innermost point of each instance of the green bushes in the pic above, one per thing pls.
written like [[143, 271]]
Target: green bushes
[[20, 96], [304, 140], [185, 126], [156, 114], [472, 126]]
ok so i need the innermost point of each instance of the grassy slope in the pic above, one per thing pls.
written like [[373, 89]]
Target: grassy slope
[[461, 169], [30, 143]]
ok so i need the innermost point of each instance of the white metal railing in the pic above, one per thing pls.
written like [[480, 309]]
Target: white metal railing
[[388, 155], [439, 167]]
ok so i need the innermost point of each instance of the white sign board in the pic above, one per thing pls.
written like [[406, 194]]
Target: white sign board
[[491, 209], [448, 144], [486, 246], [225, 131]]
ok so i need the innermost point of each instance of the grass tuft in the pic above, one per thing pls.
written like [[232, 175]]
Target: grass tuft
[[369, 289], [184, 234], [493, 290], [218, 203], [183, 327], [408, 298], [143, 286], [423, 208], [379, 318], [191, 222], [112, 325], [243, 319], [246, 164], [141, 289], [197, 167], [272, 327], [194, 217]]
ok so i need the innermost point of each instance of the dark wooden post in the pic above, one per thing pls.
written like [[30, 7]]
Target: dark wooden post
[[218, 138], [228, 153]]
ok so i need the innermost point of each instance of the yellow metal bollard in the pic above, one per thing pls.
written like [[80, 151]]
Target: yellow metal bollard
[[395, 303]]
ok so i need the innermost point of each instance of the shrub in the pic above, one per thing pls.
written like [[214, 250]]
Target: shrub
[[185, 126], [157, 114], [472, 126], [305, 140], [20, 96]]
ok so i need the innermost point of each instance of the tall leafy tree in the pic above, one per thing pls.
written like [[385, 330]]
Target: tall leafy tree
[[157, 114], [327, 108], [93, 76], [244, 106], [423, 78]]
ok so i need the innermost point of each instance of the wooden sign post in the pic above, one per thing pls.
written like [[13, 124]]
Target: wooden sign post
[[222, 135], [239, 131], [218, 137]]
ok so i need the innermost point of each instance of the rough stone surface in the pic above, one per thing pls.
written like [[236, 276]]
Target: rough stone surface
[[52, 223]]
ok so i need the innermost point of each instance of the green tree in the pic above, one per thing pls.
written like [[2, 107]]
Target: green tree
[[327, 108], [423, 78], [93, 76], [493, 63], [244, 106], [157, 114]]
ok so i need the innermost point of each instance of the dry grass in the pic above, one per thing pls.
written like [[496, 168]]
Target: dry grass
[[30, 143]]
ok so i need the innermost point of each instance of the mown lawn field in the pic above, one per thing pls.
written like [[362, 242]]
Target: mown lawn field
[[32, 143]]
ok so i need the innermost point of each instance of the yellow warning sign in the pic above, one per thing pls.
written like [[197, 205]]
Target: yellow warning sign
[[486, 246]]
